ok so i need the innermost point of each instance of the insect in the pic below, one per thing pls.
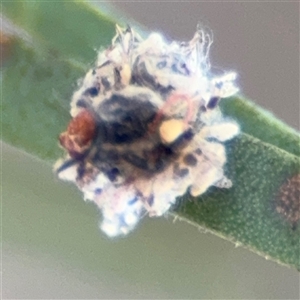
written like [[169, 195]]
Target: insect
[[146, 128]]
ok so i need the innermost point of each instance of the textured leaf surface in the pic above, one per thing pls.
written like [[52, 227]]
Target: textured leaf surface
[[38, 81], [248, 213]]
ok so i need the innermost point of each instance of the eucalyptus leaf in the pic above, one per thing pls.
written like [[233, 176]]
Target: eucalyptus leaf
[[260, 211]]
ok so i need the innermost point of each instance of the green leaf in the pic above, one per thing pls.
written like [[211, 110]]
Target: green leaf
[[261, 124], [68, 29], [259, 212], [254, 212]]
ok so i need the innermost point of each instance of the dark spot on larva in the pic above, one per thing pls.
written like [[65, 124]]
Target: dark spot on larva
[[181, 172], [161, 64], [203, 108], [117, 74], [288, 200], [198, 151], [150, 200], [213, 102], [128, 29], [98, 191], [93, 91], [132, 201], [105, 83], [183, 139], [81, 103], [167, 151], [159, 165], [188, 135], [185, 68], [112, 174], [219, 85], [179, 66], [190, 160], [94, 72]]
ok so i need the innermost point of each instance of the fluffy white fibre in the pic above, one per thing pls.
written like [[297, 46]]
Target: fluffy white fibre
[[174, 77]]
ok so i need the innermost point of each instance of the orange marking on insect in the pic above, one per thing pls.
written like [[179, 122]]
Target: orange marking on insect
[[171, 102], [80, 132]]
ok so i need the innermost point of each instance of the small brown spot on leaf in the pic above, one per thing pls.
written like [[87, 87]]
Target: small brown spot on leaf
[[288, 202]]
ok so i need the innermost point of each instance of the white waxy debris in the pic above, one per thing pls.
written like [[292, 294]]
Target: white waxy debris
[[222, 131], [153, 129], [68, 174]]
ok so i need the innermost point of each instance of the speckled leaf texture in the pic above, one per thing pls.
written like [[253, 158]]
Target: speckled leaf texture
[[39, 74]]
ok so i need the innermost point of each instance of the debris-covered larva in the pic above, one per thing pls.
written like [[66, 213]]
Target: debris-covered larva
[[147, 128]]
